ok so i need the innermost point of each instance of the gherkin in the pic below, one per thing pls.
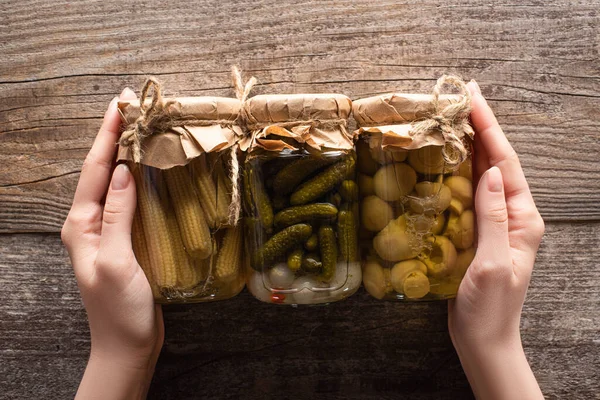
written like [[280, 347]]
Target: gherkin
[[347, 236], [308, 212], [295, 172], [324, 182], [328, 245], [279, 244]]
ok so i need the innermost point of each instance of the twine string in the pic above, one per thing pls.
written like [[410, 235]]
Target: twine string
[[452, 121]]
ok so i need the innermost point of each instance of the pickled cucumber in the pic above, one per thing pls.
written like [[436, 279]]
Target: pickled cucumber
[[295, 172], [279, 244], [329, 251], [308, 212], [312, 243], [261, 203], [349, 190], [294, 260], [347, 236], [324, 182]]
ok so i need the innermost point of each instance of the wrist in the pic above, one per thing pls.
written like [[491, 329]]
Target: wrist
[[498, 369], [127, 360], [486, 345], [122, 377]]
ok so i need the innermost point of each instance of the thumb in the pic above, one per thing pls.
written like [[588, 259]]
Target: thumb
[[118, 214], [492, 220]]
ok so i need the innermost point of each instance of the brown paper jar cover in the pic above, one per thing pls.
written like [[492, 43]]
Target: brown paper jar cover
[[179, 145], [318, 120], [390, 117]]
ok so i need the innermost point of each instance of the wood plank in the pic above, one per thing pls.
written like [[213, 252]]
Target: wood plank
[[358, 348], [536, 62]]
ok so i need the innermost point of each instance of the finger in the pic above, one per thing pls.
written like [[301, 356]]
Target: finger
[[499, 151], [492, 220], [115, 240], [95, 173], [481, 160], [127, 94]]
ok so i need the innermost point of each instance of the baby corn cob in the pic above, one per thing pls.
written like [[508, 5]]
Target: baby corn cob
[[207, 192], [190, 218], [161, 250], [142, 255], [229, 259], [185, 275]]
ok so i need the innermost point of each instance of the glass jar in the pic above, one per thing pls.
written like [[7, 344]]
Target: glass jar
[[301, 200], [184, 234], [417, 222]]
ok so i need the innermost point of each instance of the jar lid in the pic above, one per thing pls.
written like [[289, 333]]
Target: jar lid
[[289, 121], [205, 107], [197, 125], [396, 108], [297, 107]]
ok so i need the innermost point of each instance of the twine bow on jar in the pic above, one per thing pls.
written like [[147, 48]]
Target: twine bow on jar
[[452, 121], [155, 118]]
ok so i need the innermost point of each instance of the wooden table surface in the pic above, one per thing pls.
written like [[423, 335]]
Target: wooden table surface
[[62, 61]]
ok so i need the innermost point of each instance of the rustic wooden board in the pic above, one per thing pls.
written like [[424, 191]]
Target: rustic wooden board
[[359, 348], [536, 62]]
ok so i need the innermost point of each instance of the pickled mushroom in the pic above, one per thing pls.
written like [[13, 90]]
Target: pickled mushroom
[[427, 160], [456, 207], [416, 285], [438, 224], [376, 279], [409, 278], [366, 187], [393, 243], [461, 229], [462, 189], [433, 198], [388, 156], [441, 260], [375, 213], [394, 181]]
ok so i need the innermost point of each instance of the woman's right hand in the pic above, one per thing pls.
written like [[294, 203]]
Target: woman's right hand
[[484, 318]]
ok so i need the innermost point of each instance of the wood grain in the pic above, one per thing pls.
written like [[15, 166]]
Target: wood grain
[[536, 62], [358, 348], [62, 62]]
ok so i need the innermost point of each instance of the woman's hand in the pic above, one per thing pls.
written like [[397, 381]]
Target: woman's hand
[[126, 327], [484, 318]]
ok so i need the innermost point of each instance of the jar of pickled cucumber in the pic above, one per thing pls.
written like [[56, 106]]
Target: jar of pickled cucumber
[[416, 195], [187, 234], [301, 199]]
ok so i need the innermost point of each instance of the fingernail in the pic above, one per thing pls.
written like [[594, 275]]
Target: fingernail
[[121, 177], [494, 177], [475, 86], [125, 92]]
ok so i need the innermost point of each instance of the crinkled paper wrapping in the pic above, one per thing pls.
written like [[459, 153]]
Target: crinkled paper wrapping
[[388, 119], [269, 111], [179, 145]]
